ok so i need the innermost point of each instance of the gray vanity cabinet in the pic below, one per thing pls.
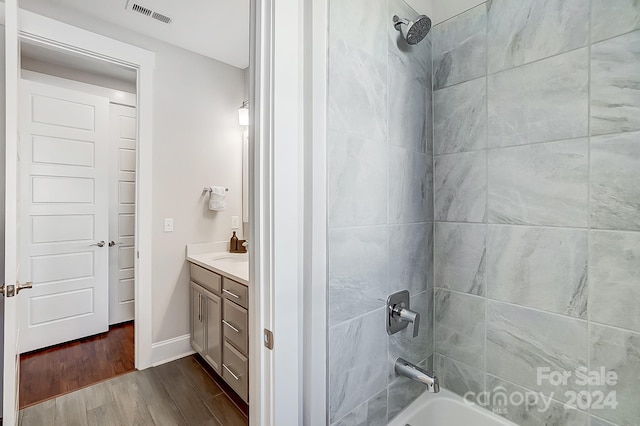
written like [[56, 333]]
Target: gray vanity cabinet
[[206, 315], [220, 326]]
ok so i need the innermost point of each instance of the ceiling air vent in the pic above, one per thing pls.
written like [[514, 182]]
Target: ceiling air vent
[[160, 17], [141, 9], [136, 7]]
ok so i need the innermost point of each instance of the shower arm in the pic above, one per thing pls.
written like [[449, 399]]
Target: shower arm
[[397, 21]]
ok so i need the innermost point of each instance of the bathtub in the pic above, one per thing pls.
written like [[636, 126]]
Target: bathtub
[[446, 409]]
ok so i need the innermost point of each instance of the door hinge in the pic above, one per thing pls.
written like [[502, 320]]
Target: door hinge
[[268, 339]]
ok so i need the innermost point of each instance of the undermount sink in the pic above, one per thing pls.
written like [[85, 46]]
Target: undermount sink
[[230, 257]]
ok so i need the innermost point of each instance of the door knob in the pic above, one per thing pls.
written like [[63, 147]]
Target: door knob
[[99, 244], [12, 290], [23, 286], [113, 243]]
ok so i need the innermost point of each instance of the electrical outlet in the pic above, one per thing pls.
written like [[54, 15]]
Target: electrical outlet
[[235, 222], [168, 224]]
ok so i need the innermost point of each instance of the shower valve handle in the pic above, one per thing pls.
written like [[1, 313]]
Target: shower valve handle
[[408, 315]]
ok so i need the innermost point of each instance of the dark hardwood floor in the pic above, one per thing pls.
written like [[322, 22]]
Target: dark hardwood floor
[[55, 371]]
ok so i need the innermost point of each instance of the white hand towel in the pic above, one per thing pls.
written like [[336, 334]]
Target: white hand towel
[[217, 198], [218, 190], [217, 205]]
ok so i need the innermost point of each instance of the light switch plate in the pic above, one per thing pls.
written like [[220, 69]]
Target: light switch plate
[[235, 222], [168, 224]]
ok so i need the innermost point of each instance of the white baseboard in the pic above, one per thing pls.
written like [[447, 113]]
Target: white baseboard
[[171, 349]]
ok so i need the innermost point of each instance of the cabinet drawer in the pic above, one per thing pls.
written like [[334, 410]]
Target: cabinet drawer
[[235, 292], [209, 280], [235, 370], [235, 324]]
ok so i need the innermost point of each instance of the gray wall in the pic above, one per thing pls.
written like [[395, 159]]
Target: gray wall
[[380, 206], [537, 200]]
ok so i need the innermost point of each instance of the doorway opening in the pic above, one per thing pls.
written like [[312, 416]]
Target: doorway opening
[[78, 124]]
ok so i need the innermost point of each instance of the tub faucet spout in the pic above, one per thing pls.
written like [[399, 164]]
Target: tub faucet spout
[[407, 369]]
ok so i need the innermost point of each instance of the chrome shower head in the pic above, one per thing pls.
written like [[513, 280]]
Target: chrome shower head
[[414, 31]]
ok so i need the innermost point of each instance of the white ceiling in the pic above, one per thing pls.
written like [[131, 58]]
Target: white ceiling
[[218, 29]]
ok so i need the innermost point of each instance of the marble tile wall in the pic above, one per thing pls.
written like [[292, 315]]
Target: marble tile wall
[[380, 213], [537, 203]]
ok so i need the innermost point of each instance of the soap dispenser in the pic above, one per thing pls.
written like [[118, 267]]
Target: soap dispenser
[[233, 244]]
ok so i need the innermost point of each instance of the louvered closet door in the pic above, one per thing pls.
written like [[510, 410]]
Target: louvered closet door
[[64, 139]]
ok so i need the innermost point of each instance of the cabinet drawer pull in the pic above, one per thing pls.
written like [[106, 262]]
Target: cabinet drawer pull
[[231, 372], [230, 326], [224, 290]]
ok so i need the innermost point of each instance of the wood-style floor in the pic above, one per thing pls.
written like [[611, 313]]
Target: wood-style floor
[[64, 368], [177, 393]]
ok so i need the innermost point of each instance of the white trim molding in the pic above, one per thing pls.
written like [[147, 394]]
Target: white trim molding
[[171, 349], [315, 249], [48, 32]]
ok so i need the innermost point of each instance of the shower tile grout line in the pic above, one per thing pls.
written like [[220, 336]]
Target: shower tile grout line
[[530, 225], [589, 206]]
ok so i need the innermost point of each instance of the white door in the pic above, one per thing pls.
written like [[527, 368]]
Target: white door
[[122, 180], [12, 272], [64, 240]]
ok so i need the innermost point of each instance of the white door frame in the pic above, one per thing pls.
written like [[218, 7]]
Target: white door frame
[[58, 35], [288, 118], [316, 297], [288, 210]]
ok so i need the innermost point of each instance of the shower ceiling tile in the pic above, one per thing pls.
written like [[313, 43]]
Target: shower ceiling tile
[[540, 268], [613, 17], [615, 181], [523, 31], [540, 184], [543, 101], [614, 279], [615, 85], [459, 48]]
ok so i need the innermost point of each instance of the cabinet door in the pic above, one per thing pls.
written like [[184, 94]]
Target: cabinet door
[[197, 318], [213, 349]]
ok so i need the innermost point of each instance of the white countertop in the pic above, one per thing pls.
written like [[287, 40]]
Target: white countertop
[[234, 266]]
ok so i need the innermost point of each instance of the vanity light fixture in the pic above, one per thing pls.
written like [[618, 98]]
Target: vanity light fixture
[[243, 114]]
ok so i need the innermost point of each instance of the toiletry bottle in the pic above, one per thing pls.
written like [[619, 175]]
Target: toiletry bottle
[[233, 244]]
